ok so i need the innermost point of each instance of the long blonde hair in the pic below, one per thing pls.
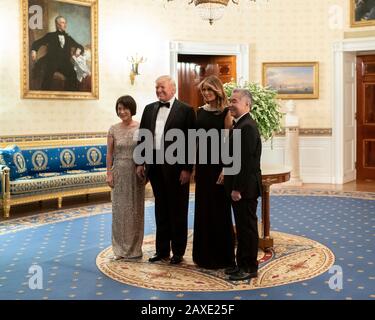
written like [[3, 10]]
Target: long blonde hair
[[215, 84]]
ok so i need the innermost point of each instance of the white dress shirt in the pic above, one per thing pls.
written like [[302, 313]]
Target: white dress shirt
[[62, 40], [161, 119]]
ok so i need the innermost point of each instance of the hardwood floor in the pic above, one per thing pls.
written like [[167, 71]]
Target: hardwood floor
[[75, 202], [359, 185], [51, 205]]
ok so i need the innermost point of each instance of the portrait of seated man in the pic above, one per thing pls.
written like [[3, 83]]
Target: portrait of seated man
[[364, 10], [64, 66]]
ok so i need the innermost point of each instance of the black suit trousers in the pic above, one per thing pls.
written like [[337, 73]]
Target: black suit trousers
[[171, 210], [247, 233]]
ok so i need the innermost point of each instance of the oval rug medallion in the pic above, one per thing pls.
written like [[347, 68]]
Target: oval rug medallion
[[294, 258]]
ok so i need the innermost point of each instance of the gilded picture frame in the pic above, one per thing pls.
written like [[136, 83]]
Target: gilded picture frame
[[362, 13], [59, 49], [292, 80]]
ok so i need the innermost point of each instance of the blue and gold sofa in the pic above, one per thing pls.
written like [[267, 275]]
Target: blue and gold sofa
[[43, 173]]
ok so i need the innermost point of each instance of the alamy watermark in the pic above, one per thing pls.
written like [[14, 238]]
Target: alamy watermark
[[36, 20], [36, 279], [177, 147], [335, 17], [335, 282]]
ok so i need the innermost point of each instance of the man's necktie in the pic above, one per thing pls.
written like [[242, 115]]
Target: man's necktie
[[164, 104]]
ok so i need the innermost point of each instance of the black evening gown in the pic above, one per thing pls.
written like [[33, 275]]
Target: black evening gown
[[213, 242]]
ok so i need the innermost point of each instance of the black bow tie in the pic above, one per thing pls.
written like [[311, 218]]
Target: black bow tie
[[164, 104], [61, 33]]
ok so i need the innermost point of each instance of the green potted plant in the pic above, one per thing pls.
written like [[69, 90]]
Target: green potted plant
[[265, 109]]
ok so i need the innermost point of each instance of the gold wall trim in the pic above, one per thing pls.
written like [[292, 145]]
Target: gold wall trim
[[52, 140], [40, 140], [310, 132], [359, 34]]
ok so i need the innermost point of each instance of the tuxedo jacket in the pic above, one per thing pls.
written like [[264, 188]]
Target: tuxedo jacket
[[181, 116], [249, 180], [55, 54]]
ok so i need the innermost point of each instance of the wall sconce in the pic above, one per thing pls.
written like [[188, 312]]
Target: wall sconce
[[135, 61]]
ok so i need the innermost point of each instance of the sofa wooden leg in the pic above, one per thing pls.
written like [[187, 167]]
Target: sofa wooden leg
[[6, 210], [59, 202]]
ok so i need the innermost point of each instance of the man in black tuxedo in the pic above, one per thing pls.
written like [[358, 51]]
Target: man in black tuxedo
[[245, 187], [60, 48], [170, 182]]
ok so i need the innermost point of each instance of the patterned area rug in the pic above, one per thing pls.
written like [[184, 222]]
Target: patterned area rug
[[293, 259], [312, 229]]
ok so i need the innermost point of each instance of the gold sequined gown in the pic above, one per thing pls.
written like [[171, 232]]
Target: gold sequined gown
[[128, 196]]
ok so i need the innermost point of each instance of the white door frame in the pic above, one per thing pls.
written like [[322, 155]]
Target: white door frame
[[241, 51], [339, 49]]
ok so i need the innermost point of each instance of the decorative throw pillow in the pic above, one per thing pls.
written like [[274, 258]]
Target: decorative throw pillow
[[83, 157], [42, 160], [95, 156], [68, 158], [61, 159], [12, 157]]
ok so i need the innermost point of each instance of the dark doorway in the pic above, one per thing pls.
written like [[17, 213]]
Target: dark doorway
[[366, 117], [192, 69]]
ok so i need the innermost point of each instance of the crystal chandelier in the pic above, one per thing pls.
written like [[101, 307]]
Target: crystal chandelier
[[212, 10]]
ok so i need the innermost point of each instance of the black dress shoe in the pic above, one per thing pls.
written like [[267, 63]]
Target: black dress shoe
[[176, 259], [231, 270], [157, 257], [242, 275]]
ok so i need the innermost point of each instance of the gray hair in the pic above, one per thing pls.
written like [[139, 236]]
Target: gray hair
[[58, 18], [244, 93], [167, 78]]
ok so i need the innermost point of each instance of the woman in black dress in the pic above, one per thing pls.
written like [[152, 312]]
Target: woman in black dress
[[213, 243]]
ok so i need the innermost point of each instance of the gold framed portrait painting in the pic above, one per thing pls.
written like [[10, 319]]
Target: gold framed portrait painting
[[292, 80], [362, 13], [60, 51]]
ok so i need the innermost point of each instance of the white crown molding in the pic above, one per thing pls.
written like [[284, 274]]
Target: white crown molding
[[357, 44]]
